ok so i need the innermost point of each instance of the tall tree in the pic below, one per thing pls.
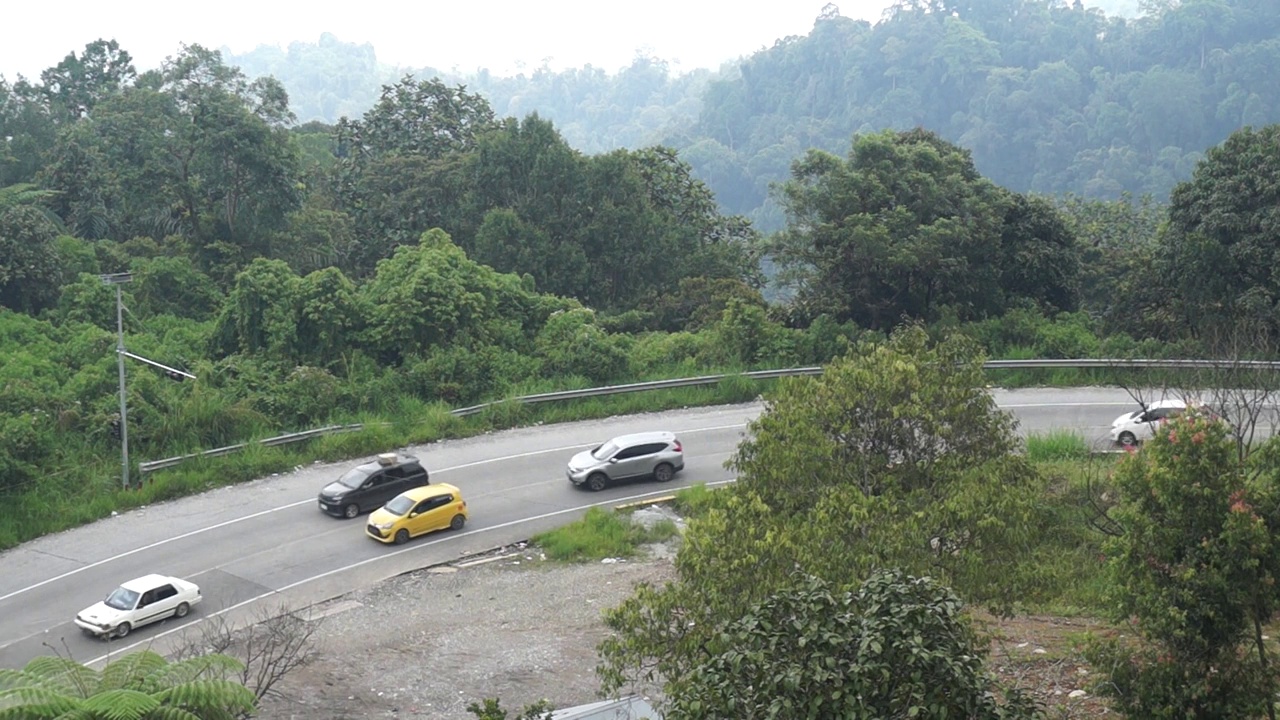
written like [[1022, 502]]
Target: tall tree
[[896, 457], [1222, 243], [77, 84], [902, 228]]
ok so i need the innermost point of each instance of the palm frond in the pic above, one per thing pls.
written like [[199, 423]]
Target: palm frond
[[34, 703], [201, 695], [64, 675], [121, 705], [132, 671]]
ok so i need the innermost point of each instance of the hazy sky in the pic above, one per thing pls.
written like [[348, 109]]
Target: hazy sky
[[467, 35]]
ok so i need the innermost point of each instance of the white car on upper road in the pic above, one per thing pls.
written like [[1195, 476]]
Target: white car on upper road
[[139, 602], [1138, 426]]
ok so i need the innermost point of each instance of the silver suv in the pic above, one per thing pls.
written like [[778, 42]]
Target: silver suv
[[653, 454]]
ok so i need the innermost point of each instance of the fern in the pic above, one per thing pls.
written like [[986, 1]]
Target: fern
[[121, 704], [138, 686]]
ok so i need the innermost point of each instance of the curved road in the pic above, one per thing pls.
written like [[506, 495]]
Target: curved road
[[266, 543]]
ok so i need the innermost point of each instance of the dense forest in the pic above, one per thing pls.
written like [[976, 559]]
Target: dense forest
[[1050, 97], [434, 250]]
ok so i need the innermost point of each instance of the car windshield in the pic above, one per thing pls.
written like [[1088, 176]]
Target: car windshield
[[354, 478], [399, 506], [605, 451], [122, 599]]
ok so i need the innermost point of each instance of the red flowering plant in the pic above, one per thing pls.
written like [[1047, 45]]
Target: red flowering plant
[[1193, 571]]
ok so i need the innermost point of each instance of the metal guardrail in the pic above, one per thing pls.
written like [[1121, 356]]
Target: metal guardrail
[[152, 466]]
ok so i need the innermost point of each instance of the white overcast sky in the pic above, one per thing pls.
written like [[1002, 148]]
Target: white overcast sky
[[496, 34]]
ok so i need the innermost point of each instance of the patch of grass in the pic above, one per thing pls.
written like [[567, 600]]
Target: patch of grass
[[1056, 445], [601, 534]]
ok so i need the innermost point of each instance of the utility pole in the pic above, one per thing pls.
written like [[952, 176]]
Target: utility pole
[[119, 279]]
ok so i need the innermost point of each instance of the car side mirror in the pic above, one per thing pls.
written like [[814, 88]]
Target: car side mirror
[[613, 460]]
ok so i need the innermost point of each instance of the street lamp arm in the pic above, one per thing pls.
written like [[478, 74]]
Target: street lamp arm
[[153, 363]]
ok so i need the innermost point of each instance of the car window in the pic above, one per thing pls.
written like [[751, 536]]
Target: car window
[[122, 599], [630, 452], [147, 598], [399, 505], [165, 592], [354, 478], [440, 501], [605, 451], [381, 478], [395, 473], [651, 448]]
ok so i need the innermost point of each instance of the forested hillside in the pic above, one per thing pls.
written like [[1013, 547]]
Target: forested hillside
[[1050, 97]]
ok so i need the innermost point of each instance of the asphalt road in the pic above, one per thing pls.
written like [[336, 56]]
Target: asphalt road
[[265, 545]]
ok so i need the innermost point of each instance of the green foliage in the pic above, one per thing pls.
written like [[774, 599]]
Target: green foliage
[[173, 286], [894, 457], [906, 226], [810, 650], [30, 269], [572, 344], [1220, 240], [492, 710], [601, 534], [693, 500], [1193, 571], [137, 686]]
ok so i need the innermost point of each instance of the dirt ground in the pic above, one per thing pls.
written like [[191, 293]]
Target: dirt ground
[[520, 628]]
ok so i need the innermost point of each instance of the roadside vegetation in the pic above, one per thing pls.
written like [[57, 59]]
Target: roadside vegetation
[[602, 534]]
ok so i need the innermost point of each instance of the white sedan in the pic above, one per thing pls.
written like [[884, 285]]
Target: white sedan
[[139, 602]]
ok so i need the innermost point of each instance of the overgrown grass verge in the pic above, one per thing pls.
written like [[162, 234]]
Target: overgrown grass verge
[[601, 534], [1057, 445]]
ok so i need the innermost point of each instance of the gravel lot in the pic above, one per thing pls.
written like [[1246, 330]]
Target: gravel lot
[[427, 644]]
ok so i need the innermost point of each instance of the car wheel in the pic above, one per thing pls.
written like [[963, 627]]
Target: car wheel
[[1127, 439], [123, 629], [402, 536], [597, 482], [664, 472], [351, 510], [457, 522], [182, 610]]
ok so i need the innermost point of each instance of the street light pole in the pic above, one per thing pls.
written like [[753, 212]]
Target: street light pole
[[119, 279], [124, 410]]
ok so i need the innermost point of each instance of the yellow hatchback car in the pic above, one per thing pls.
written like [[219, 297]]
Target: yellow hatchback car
[[416, 512]]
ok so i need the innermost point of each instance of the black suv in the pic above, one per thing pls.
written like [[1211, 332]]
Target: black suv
[[369, 486]]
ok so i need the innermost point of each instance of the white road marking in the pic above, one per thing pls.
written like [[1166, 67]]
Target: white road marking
[[1071, 404], [352, 566], [192, 533]]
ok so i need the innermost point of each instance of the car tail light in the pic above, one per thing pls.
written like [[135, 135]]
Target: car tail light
[[679, 447]]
